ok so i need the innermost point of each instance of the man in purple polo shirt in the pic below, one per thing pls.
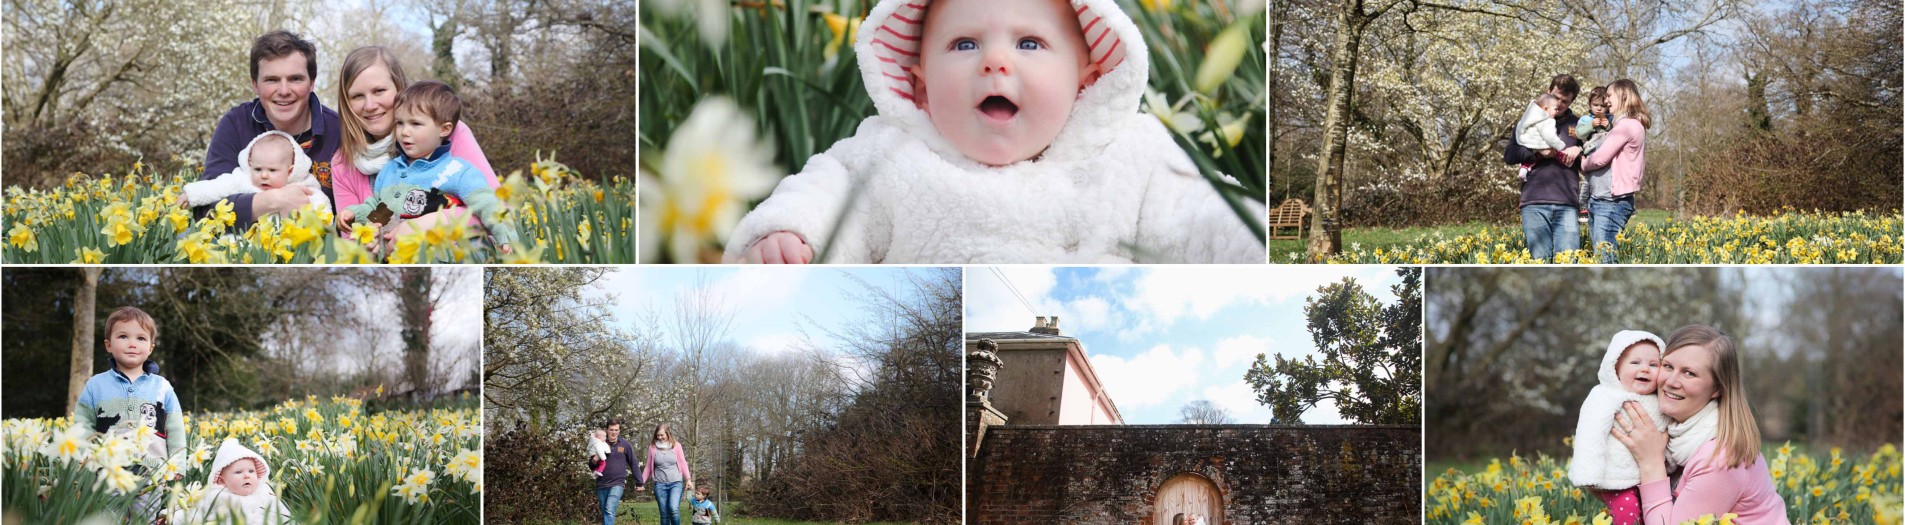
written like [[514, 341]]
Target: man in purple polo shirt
[[283, 70], [1550, 198], [622, 467]]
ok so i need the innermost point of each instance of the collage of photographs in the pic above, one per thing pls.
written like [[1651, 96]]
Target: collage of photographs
[[1153, 262]]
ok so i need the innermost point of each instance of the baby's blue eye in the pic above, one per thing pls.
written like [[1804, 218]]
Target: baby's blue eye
[[1028, 45], [965, 45]]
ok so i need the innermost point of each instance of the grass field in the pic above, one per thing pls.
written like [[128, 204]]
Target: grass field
[[1652, 237], [643, 511], [1369, 239]]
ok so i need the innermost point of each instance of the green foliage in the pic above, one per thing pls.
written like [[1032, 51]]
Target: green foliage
[[1372, 357]]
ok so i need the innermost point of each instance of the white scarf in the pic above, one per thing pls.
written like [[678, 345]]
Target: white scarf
[[1684, 438], [372, 159]]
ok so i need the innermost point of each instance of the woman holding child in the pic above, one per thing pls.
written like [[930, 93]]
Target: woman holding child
[[370, 82], [1616, 166], [1711, 437]]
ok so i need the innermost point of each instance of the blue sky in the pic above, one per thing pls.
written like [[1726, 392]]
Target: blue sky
[[770, 301], [1163, 336]]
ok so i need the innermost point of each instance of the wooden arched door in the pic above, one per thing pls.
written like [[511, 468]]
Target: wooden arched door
[[1188, 494]]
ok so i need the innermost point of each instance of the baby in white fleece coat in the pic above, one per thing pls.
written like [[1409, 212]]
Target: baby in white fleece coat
[[238, 492], [1007, 132], [1600, 463], [272, 160]]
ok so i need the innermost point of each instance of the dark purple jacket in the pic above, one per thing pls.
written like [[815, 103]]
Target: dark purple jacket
[[1549, 182], [621, 464], [245, 122]]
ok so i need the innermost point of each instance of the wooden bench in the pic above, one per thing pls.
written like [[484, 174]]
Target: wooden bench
[[1288, 215]]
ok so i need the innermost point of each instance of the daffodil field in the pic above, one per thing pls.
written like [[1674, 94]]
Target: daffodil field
[[330, 462], [736, 95], [1793, 237], [133, 218], [1832, 487]]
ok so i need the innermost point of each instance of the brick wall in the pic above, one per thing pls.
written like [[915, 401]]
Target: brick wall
[[1264, 474]]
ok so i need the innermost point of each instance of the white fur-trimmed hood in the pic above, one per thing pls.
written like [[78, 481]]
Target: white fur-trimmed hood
[[300, 163], [1619, 344]]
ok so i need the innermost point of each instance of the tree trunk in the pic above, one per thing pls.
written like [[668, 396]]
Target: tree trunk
[[83, 313], [1326, 235], [413, 293], [1276, 45], [442, 41]]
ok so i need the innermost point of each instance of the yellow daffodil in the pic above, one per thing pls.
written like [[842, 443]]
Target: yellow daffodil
[[88, 256], [22, 237]]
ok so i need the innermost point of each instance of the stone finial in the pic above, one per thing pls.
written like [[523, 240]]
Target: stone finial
[[982, 367]]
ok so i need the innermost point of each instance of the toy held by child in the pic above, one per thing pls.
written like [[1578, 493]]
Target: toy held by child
[[1599, 464], [272, 160], [1007, 132]]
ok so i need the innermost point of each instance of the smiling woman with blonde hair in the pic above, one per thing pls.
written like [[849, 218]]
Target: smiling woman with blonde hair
[[1712, 439], [367, 94], [1612, 191]]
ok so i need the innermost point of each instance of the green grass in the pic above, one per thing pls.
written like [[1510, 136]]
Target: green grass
[[642, 510], [1373, 238]]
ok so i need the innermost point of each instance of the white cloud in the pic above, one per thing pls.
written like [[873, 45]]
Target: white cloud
[[1172, 292], [992, 307], [1088, 314], [1109, 274], [774, 343], [1240, 401], [1324, 414], [1240, 350], [759, 291], [1148, 379]]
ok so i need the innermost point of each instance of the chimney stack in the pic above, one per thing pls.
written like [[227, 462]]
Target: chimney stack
[[1045, 325]]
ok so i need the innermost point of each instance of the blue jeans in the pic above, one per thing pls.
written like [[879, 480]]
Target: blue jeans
[[1609, 218], [1550, 229], [609, 498], [668, 499]]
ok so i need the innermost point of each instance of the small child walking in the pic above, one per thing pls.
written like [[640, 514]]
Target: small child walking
[[703, 508]]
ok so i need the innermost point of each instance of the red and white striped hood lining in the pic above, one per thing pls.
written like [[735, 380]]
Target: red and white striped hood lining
[[888, 46]]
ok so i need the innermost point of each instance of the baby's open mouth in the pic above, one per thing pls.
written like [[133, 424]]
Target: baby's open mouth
[[998, 107]]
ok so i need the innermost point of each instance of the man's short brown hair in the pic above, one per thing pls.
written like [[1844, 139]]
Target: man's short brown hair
[[432, 98], [277, 44], [1567, 85]]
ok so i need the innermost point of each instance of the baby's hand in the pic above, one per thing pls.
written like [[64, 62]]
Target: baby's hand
[[780, 248], [183, 202]]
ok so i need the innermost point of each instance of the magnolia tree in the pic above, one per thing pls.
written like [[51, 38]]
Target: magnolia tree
[[150, 72], [553, 357], [1451, 84]]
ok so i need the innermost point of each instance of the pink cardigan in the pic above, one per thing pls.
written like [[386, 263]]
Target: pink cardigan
[[350, 188], [681, 464], [1709, 488], [1627, 144]]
